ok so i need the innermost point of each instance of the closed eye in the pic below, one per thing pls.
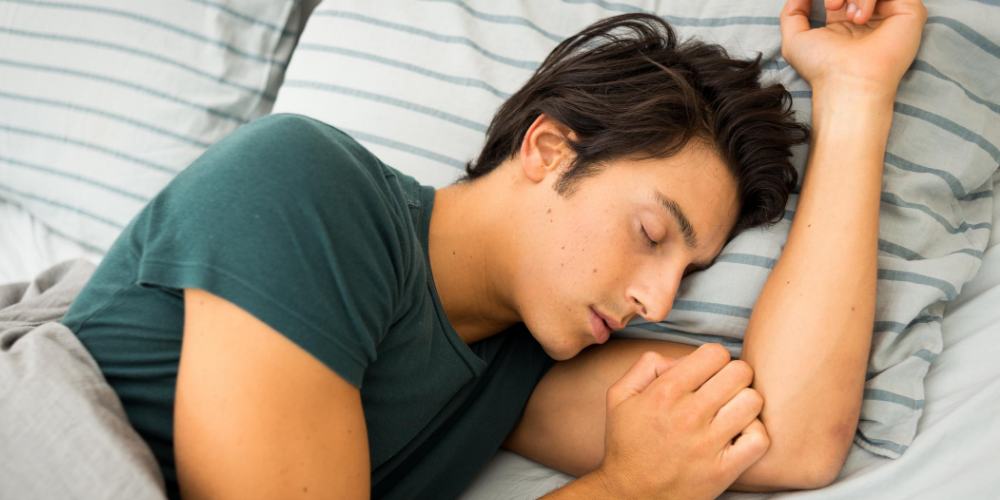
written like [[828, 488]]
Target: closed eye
[[652, 244]]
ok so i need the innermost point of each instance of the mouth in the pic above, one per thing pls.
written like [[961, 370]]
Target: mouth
[[600, 327]]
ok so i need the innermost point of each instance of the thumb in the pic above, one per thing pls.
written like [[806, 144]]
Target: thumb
[[643, 372]]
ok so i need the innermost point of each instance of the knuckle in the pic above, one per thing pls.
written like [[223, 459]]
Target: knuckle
[[650, 357], [612, 392], [667, 391]]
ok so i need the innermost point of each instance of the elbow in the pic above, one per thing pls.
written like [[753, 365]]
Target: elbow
[[797, 463], [817, 472]]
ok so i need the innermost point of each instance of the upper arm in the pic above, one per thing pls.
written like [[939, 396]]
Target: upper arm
[[257, 416]]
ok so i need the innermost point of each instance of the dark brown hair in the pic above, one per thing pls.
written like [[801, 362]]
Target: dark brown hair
[[628, 89]]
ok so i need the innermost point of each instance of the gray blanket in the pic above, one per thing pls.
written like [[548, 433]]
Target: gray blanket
[[63, 431]]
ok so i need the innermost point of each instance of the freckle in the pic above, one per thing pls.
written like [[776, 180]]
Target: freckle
[[453, 253], [305, 489], [787, 282], [560, 265], [564, 248], [852, 308], [810, 225], [550, 220], [595, 269], [549, 211]]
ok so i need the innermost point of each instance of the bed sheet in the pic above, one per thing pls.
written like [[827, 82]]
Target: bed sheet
[[955, 453]]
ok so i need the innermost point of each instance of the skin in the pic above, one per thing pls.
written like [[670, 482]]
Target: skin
[[553, 258]]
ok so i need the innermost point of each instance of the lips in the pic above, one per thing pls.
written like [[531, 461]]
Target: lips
[[612, 324], [600, 329]]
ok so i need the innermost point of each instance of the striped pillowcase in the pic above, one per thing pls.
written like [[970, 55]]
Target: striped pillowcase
[[103, 102], [417, 83]]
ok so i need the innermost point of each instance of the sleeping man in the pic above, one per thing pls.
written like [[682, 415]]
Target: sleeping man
[[292, 318]]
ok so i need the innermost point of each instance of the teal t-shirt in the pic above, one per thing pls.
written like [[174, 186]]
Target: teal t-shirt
[[298, 224]]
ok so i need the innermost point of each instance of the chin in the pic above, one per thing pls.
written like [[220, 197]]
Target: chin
[[563, 351]]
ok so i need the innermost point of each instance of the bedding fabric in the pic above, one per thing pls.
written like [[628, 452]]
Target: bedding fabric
[[63, 431], [102, 102], [417, 82]]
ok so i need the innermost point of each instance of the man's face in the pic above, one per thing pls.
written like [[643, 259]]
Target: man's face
[[615, 249]]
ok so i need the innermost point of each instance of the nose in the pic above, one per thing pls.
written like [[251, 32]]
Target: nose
[[652, 295]]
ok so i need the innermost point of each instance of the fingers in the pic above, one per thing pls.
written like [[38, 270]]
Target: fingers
[[724, 386], [748, 448], [794, 19], [643, 372], [695, 369], [834, 4], [862, 11], [738, 413]]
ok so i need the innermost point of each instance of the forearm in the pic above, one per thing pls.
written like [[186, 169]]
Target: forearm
[[809, 335], [591, 486]]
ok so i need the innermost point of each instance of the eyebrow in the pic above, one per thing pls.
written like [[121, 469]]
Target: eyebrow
[[690, 237]]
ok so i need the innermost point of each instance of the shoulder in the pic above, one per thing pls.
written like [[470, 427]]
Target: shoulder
[[293, 159]]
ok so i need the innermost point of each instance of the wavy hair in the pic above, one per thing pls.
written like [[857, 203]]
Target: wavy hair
[[628, 88]]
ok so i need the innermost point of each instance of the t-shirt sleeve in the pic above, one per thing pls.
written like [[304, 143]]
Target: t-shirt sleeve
[[292, 221]]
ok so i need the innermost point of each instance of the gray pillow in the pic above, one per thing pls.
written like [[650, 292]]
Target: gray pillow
[[63, 431]]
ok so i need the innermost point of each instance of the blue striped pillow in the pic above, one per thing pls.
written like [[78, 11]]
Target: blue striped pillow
[[102, 102], [417, 83]]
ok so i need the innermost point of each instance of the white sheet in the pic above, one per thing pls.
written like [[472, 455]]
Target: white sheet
[[956, 453]]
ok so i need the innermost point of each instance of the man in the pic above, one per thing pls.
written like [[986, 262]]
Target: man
[[292, 318]]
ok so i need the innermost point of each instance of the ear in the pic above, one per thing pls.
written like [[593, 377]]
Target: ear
[[544, 149]]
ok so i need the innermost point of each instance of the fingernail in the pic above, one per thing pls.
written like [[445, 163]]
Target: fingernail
[[850, 9]]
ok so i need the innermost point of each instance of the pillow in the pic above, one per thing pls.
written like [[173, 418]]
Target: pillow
[[103, 102], [418, 82]]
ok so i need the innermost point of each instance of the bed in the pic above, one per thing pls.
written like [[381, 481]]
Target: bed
[[174, 98]]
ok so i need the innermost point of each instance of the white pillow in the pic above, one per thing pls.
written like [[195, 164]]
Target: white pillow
[[102, 102], [418, 82]]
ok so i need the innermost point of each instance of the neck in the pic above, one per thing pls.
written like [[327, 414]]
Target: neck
[[470, 251]]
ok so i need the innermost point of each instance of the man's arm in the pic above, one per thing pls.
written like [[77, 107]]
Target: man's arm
[[256, 416], [809, 336], [810, 332]]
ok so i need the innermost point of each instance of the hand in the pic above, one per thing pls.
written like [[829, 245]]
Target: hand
[[867, 43], [671, 424]]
